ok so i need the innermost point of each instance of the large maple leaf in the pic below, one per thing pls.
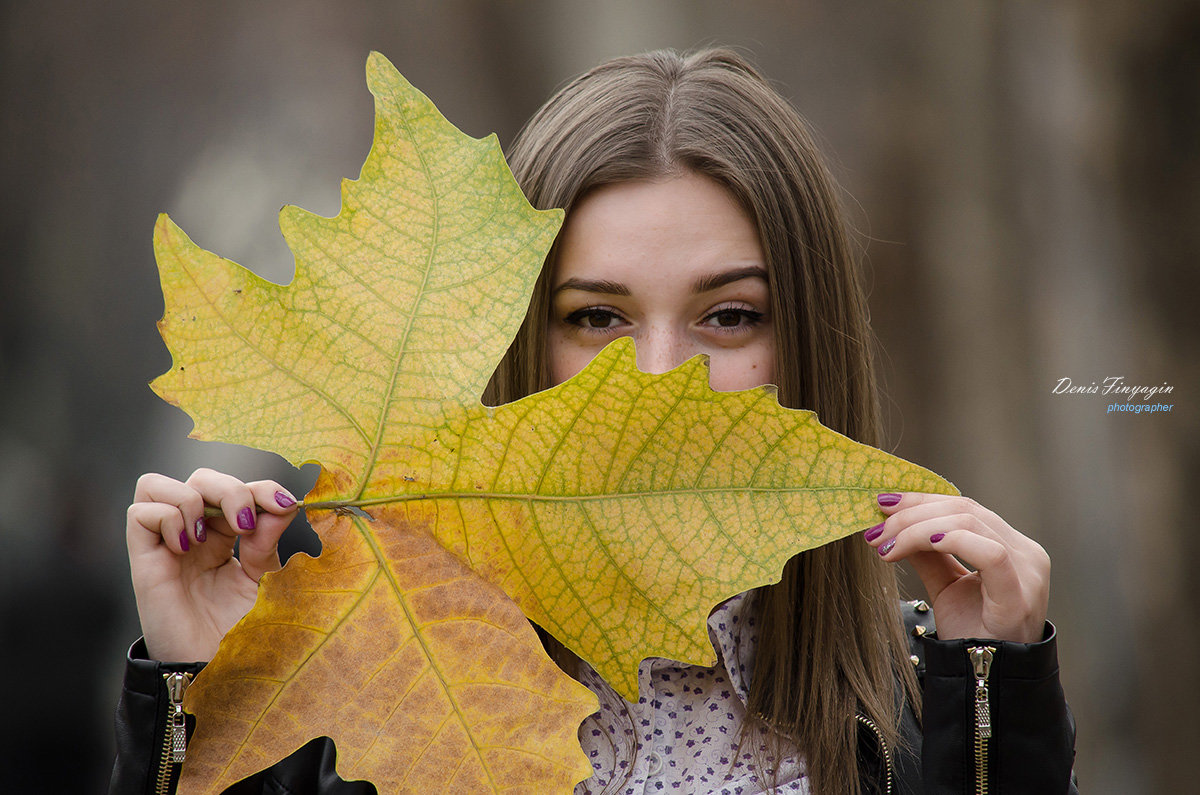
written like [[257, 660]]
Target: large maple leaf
[[615, 510]]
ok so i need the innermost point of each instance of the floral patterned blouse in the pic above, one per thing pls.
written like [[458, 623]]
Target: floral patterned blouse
[[684, 732]]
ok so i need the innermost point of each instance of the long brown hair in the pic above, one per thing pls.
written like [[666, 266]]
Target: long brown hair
[[831, 643]]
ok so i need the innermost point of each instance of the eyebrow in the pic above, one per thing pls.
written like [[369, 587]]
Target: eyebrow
[[712, 281], [593, 286], [702, 284]]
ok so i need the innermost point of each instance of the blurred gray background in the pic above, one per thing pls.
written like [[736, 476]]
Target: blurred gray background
[[1026, 177]]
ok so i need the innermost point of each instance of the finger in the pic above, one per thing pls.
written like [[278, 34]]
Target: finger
[[923, 521], [915, 508], [232, 496], [151, 525], [272, 497], [926, 505], [892, 503], [153, 487], [991, 558], [267, 496], [259, 551]]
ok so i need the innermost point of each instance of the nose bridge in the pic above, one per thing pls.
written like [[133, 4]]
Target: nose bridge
[[660, 348]]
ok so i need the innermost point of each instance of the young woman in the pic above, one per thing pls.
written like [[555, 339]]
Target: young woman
[[700, 219]]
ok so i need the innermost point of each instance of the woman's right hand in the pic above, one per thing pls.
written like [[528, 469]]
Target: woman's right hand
[[190, 588]]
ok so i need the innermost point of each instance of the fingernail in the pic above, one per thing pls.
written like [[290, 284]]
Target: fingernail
[[284, 500], [936, 537], [201, 530], [872, 533], [246, 519], [887, 500], [183, 541], [886, 548]]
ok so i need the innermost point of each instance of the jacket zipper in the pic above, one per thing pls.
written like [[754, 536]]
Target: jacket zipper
[[883, 749], [981, 661], [174, 747]]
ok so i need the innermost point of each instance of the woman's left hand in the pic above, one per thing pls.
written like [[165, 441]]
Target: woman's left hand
[[1004, 598]]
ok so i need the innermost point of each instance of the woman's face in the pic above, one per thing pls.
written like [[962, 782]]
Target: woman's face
[[675, 264]]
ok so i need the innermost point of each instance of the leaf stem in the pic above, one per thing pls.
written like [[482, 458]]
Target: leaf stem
[[214, 512]]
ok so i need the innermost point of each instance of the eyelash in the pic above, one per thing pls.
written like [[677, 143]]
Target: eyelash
[[748, 319], [578, 317]]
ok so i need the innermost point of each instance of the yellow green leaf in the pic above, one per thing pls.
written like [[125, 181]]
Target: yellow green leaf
[[407, 297], [618, 508], [615, 510]]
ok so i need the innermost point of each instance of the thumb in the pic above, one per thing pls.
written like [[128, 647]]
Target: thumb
[[258, 551], [937, 571]]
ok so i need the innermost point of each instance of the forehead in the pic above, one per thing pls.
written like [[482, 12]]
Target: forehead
[[687, 223]]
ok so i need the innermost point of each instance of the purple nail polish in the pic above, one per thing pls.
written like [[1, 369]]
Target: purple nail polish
[[183, 541], [936, 537], [201, 530], [886, 548], [246, 519], [872, 533], [888, 499], [284, 500]]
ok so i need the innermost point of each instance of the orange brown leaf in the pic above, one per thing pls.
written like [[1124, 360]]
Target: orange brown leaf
[[427, 678]]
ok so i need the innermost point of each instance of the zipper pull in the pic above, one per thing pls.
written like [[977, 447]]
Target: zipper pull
[[981, 660], [177, 685]]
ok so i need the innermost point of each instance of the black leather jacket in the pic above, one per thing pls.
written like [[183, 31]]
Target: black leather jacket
[[1031, 751]]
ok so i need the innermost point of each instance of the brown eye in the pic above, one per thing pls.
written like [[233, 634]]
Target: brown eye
[[598, 319], [733, 319], [728, 318], [595, 318]]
